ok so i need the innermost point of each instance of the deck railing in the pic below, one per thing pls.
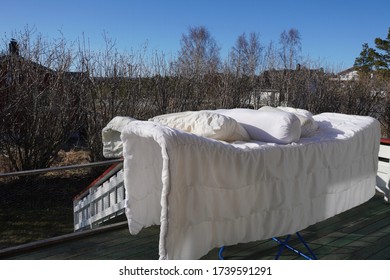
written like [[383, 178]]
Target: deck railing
[[37, 204], [383, 175], [102, 200]]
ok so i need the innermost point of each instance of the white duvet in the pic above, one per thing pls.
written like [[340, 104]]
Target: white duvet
[[207, 193]]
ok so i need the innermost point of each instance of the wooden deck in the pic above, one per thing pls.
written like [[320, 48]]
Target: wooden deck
[[361, 233]]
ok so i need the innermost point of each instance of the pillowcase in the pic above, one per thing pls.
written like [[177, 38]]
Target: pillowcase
[[275, 126], [206, 124], [111, 136], [308, 125]]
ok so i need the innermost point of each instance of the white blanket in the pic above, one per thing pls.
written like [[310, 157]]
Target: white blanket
[[207, 193]]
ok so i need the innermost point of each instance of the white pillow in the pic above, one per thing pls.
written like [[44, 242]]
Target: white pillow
[[308, 125], [111, 136], [206, 124], [275, 126]]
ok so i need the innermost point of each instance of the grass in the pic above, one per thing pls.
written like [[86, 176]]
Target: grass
[[20, 227]]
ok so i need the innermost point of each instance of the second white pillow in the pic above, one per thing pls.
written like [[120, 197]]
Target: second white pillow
[[275, 126]]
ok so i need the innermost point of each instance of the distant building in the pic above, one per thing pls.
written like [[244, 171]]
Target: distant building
[[270, 95], [350, 74], [21, 76], [16, 70], [265, 97]]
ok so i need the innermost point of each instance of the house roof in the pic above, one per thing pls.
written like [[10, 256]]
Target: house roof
[[347, 71]]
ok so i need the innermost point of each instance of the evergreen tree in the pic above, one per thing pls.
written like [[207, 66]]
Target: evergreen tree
[[366, 61], [375, 59], [383, 56]]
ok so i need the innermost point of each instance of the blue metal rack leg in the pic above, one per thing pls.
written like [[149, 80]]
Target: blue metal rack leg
[[314, 257], [283, 244], [221, 252]]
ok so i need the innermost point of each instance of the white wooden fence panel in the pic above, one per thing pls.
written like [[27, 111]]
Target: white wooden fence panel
[[101, 202], [383, 175]]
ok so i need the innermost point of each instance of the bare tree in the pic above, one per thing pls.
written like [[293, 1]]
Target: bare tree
[[290, 48], [246, 55], [41, 109], [385, 116], [115, 87], [198, 61], [367, 96], [271, 60], [199, 53]]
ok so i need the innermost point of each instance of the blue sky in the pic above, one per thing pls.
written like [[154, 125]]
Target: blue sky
[[332, 31]]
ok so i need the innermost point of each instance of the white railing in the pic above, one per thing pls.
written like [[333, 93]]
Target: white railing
[[102, 200], [383, 175]]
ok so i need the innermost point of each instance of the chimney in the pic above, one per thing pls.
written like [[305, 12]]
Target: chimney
[[14, 47]]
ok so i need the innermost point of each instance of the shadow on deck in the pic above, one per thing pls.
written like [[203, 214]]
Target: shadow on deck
[[361, 233]]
